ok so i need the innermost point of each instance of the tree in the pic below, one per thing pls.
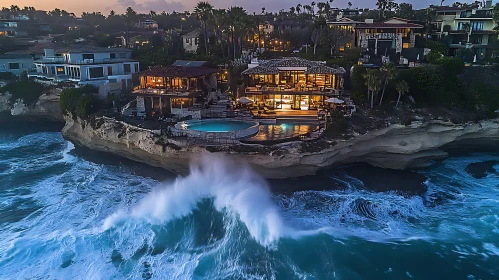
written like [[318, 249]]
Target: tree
[[203, 11], [385, 5], [334, 36], [373, 83], [389, 72], [298, 8], [405, 10], [313, 8], [316, 37], [130, 16], [349, 5], [402, 88]]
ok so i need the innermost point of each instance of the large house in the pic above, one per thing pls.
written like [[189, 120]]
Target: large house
[[348, 27], [87, 65], [388, 37], [147, 24], [292, 83], [467, 28], [16, 63], [174, 89]]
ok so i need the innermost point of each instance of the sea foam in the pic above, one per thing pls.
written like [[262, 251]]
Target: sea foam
[[232, 185]]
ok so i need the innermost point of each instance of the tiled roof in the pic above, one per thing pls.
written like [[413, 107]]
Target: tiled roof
[[178, 71], [272, 66]]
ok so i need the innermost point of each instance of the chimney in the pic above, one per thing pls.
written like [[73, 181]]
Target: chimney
[[49, 52], [488, 4], [369, 20]]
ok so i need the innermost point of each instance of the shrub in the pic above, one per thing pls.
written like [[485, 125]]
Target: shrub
[[29, 91], [75, 103], [359, 88]]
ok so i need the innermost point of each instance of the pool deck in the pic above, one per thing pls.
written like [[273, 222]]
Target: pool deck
[[288, 113]]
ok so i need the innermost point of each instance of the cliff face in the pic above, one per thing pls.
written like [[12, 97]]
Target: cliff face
[[46, 107], [395, 147]]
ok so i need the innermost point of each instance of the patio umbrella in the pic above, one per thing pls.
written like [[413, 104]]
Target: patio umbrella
[[417, 58], [245, 100], [335, 100], [474, 59]]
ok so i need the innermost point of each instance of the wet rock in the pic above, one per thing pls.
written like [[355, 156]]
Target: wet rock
[[480, 170]]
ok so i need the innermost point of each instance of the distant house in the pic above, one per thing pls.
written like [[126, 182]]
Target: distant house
[[138, 41], [467, 28], [348, 26], [12, 28], [390, 36], [147, 24], [191, 41], [16, 63], [87, 65]]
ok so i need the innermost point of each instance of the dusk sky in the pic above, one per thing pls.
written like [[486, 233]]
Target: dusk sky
[[171, 5]]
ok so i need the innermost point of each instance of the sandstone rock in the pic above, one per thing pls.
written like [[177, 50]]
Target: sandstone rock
[[395, 147]]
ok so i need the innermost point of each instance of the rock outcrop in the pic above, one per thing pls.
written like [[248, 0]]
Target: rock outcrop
[[395, 147], [46, 107]]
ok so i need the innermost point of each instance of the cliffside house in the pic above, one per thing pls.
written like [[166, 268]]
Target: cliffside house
[[467, 28], [87, 65], [292, 83], [174, 90], [388, 37]]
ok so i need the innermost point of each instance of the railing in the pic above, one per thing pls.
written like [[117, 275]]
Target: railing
[[282, 89], [82, 62], [168, 91]]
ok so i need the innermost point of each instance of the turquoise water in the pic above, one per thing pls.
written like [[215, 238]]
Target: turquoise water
[[220, 126], [70, 214]]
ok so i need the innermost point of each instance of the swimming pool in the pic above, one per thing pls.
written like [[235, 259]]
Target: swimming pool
[[219, 126]]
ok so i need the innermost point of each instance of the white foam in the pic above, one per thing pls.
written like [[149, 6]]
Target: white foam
[[66, 156], [233, 186]]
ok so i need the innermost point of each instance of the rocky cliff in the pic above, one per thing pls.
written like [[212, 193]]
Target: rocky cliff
[[395, 147], [46, 107]]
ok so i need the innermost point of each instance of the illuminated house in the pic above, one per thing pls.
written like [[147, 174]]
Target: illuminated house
[[292, 83], [87, 65], [467, 28], [173, 89], [390, 36]]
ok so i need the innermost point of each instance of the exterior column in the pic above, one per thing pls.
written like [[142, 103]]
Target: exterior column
[[160, 105]]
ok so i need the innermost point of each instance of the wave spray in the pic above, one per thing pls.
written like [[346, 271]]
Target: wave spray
[[232, 185]]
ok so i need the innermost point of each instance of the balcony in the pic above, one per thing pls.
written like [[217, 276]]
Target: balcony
[[322, 90], [177, 92], [62, 60]]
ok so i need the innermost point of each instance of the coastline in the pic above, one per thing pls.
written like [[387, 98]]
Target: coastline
[[396, 147]]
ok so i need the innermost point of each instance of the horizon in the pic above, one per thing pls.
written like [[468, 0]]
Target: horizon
[[144, 6]]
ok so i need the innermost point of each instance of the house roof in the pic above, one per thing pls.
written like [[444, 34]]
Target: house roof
[[178, 71], [449, 9], [93, 49], [272, 66], [387, 25], [189, 63], [15, 56]]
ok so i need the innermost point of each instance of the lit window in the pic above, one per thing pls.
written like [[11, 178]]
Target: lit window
[[342, 49], [349, 45], [405, 45]]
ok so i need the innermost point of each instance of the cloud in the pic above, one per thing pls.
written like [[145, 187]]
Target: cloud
[[154, 5]]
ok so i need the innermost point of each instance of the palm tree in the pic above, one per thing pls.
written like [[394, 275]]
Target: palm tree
[[349, 5], [203, 11], [152, 14], [390, 72], [313, 7], [298, 8], [373, 83], [130, 16], [402, 89], [292, 11], [316, 37], [442, 2], [320, 8], [263, 11]]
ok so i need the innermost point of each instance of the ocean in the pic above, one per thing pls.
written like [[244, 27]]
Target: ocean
[[70, 213]]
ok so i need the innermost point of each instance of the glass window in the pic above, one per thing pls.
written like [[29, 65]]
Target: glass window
[[13, 65], [96, 72], [405, 45], [127, 68]]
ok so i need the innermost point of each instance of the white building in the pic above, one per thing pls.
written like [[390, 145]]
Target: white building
[[16, 63], [90, 65], [147, 24], [191, 41]]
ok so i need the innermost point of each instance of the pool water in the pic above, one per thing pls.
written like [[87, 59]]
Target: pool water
[[282, 131], [220, 126]]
